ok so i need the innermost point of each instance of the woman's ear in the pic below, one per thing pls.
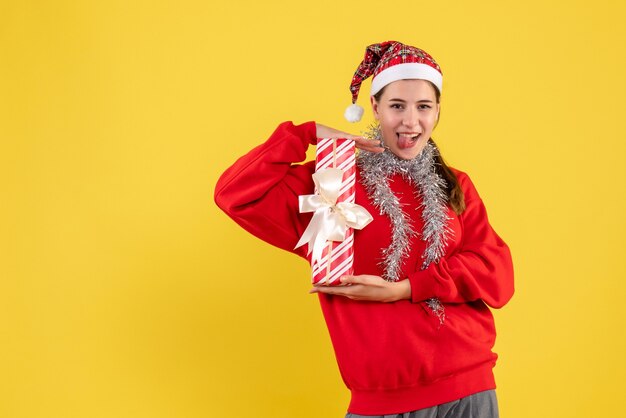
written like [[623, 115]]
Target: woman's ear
[[374, 107]]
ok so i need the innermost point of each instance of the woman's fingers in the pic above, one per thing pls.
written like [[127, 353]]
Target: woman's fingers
[[370, 145], [364, 279], [362, 287], [352, 292]]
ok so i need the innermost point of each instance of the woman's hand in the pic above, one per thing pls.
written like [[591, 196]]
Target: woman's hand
[[360, 142], [369, 288]]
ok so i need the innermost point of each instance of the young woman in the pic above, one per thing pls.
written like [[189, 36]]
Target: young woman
[[411, 329]]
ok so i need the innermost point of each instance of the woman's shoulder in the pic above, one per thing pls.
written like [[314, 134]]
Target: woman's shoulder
[[461, 175], [465, 182], [457, 172]]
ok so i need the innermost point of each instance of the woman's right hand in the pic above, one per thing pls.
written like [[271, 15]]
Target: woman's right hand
[[322, 131]]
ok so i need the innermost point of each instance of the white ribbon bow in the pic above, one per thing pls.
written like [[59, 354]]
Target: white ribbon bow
[[331, 220]]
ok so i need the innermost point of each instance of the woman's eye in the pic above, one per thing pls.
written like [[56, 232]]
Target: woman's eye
[[424, 106], [396, 106]]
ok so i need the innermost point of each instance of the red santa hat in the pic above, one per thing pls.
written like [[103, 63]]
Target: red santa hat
[[388, 62]]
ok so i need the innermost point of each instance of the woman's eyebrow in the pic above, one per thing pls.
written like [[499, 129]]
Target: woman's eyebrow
[[404, 101]]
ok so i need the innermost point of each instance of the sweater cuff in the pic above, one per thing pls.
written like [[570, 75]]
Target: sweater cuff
[[308, 132], [424, 286]]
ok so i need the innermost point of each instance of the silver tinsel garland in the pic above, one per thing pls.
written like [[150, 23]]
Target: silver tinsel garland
[[376, 168]]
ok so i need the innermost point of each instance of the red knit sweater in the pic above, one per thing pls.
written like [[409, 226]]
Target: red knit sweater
[[394, 357]]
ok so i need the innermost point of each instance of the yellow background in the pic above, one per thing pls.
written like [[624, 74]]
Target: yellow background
[[125, 292]]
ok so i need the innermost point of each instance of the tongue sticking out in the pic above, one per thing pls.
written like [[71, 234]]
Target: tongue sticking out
[[406, 141]]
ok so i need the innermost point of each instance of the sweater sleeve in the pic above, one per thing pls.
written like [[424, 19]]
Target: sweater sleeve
[[481, 268], [260, 190]]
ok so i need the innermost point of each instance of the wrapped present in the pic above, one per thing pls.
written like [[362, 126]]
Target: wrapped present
[[330, 233]]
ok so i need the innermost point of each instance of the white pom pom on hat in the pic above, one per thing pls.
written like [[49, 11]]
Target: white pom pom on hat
[[388, 62], [353, 113]]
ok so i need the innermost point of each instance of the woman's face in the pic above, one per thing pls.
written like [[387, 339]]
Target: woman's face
[[407, 112]]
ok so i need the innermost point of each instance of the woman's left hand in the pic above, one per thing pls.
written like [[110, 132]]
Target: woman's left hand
[[368, 288]]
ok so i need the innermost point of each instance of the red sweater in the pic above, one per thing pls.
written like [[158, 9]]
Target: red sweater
[[394, 357]]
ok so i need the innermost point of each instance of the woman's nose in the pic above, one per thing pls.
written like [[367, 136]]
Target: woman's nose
[[410, 118]]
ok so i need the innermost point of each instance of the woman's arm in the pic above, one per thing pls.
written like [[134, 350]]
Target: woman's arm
[[260, 190], [481, 269]]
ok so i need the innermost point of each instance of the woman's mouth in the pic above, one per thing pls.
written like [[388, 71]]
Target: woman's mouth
[[407, 139]]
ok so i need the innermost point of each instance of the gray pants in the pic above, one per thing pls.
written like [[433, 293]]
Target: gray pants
[[479, 405]]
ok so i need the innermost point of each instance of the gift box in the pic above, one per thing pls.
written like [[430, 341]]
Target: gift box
[[330, 234]]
